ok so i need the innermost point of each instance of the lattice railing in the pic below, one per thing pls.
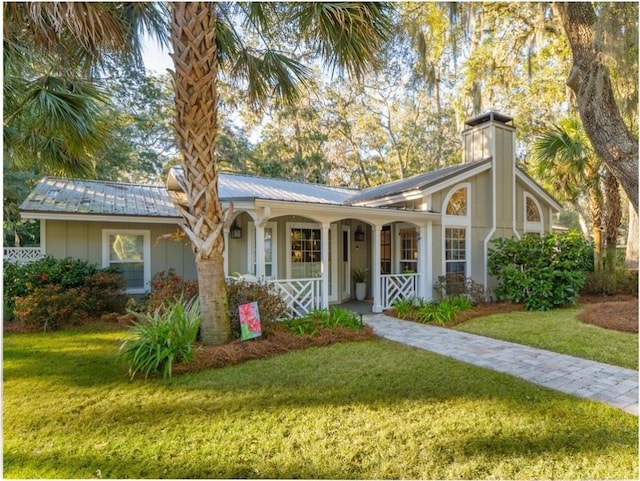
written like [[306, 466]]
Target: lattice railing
[[397, 286], [22, 255], [300, 295]]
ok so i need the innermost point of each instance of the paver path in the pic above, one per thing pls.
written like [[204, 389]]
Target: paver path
[[613, 385]]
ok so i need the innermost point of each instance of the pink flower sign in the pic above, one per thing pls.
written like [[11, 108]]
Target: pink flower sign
[[249, 321]]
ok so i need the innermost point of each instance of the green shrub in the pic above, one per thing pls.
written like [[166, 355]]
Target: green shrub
[[163, 338], [540, 272], [403, 307], [20, 280], [604, 283], [105, 292], [323, 318], [50, 306]]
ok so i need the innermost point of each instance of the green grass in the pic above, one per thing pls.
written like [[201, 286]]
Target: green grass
[[361, 410], [560, 331]]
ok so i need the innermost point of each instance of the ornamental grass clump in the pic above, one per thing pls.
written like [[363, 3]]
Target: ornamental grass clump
[[159, 340]]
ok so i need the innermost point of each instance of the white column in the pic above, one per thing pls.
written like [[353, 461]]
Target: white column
[[423, 263], [225, 252], [259, 250], [324, 242], [375, 272], [428, 274]]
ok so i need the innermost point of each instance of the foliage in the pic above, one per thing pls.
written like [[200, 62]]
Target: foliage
[[317, 319], [605, 283], [167, 286], [41, 286], [48, 307], [270, 305], [431, 312], [540, 272], [360, 275], [157, 341], [459, 285]]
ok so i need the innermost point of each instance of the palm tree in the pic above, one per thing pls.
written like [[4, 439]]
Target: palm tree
[[206, 43], [564, 159]]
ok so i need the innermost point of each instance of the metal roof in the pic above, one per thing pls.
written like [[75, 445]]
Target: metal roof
[[237, 187], [58, 195], [417, 182]]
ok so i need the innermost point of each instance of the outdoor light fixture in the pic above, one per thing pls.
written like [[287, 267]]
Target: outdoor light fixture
[[358, 235], [235, 231]]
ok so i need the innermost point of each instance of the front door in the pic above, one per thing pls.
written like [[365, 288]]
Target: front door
[[346, 263]]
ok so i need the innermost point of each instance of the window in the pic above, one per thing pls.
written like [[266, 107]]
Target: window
[[270, 253], [455, 250], [306, 255], [532, 215], [128, 251], [408, 250], [457, 204], [385, 250]]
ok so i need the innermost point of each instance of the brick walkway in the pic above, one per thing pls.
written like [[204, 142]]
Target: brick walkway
[[613, 385]]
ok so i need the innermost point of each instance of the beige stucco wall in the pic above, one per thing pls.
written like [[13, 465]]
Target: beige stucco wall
[[83, 240]]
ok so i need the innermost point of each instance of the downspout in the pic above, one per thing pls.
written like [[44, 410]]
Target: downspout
[[513, 186]]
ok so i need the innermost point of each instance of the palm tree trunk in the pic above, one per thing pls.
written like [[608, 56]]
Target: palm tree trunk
[[595, 212], [194, 57], [631, 258]]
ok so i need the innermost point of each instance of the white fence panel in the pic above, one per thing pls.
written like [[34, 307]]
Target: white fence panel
[[300, 295], [22, 255], [398, 286]]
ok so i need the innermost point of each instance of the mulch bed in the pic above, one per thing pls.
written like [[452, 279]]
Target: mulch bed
[[620, 313]]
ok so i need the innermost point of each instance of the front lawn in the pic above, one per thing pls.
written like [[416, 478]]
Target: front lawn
[[559, 330], [371, 409]]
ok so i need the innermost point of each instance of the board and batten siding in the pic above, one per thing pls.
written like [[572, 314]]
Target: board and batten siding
[[83, 240]]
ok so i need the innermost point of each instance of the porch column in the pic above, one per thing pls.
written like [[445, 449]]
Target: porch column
[[424, 262], [225, 253], [428, 275], [375, 272], [259, 227], [324, 242]]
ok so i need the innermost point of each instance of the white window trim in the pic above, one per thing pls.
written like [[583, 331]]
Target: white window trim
[[146, 254], [457, 222], [251, 249], [400, 258], [532, 227]]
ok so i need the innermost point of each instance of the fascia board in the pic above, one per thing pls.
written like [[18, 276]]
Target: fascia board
[[456, 179], [390, 199], [538, 190], [129, 219]]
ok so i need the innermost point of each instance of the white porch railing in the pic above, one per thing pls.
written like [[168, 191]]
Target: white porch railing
[[397, 286], [300, 295], [22, 255]]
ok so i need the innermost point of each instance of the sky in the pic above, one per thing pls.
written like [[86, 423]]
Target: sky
[[155, 59]]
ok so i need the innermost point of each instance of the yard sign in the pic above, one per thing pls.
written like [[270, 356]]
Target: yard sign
[[249, 321]]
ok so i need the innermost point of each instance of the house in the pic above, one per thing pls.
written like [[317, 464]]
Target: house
[[307, 239]]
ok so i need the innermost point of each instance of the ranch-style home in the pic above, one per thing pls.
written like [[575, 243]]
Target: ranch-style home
[[307, 239]]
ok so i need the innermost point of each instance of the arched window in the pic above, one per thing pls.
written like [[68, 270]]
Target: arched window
[[533, 213], [457, 204]]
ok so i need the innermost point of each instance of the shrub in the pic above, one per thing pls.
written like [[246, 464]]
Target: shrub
[[459, 285], [540, 272], [317, 319], [50, 306], [105, 292], [442, 312], [604, 283], [270, 304], [21, 280], [403, 307], [163, 338], [167, 287]]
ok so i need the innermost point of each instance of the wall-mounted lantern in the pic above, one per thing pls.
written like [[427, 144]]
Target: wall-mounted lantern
[[358, 235], [235, 231]]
